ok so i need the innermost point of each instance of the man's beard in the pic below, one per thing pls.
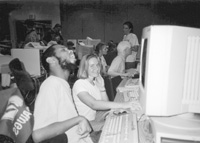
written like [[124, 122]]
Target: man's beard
[[65, 65]]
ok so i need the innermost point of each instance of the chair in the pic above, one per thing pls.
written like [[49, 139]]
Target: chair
[[6, 139], [109, 88], [115, 82], [129, 65], [28, 86], [111, 85], [62, 138]]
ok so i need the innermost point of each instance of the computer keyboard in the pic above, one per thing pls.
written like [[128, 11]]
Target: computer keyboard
[[132, 83], [131, 95], [121, 128]]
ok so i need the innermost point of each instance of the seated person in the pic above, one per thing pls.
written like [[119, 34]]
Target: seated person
[[89, 92], [111, 53], [101, 50], [31, 34], [55, 40], [70, 45], [117, 67], [56, 30], [54, 111]]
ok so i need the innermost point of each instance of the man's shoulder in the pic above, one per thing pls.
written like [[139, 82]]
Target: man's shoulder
[[116, 62], [79, 81], [52, 80], [117, 59]]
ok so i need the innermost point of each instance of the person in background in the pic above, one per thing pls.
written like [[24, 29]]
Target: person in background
[[31, 34], [132, 38], [111, 53], [54, 112], [117, 67], [70, 46], [89, 92], [55, 31], [101, 50], [55, 40]]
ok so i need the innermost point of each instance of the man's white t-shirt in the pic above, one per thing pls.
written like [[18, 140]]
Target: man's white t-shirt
[[117, 65], [53, 104]]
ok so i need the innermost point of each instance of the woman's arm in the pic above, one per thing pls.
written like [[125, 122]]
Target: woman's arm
[[86, 98], [104, 95], [124, 74], [58, 128]]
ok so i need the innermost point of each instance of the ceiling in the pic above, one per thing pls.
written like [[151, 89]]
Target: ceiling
[[104, 1]]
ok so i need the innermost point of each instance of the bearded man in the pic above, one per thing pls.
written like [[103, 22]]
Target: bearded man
[[55, 113]]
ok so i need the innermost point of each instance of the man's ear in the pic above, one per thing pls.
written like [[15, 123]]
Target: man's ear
[[50, 60]]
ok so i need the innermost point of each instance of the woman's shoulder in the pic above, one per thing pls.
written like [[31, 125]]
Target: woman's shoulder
[[53, 80], [131, 35], [80, 82]]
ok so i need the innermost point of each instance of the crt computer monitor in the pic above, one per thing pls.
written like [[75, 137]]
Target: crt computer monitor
[[31, 58], [169, 79], [170, 70]]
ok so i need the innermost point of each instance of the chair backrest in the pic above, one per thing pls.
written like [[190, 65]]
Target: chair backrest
[[21, 76], [129, 65], [6, 139], [111, 85], [28, 86], [115, 82], [109, 88]]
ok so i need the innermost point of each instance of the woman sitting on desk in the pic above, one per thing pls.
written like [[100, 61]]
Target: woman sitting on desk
[[117, 67], [89, 92]]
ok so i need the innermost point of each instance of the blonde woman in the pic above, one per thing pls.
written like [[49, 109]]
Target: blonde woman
[[89, 92]]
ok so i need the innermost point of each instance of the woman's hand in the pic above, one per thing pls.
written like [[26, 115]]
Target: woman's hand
[[131, 72], [100, 83], [133, 105]]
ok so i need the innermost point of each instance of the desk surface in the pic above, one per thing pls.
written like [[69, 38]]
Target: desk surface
[[144, 125], [121, 87]]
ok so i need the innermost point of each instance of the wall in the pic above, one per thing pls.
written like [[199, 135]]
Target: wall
[[103, 20], [40, 10]]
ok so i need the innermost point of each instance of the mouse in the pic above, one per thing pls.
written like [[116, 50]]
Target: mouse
[[119, 113]]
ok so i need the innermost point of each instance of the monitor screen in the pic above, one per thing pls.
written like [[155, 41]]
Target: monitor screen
[[144, 62]]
